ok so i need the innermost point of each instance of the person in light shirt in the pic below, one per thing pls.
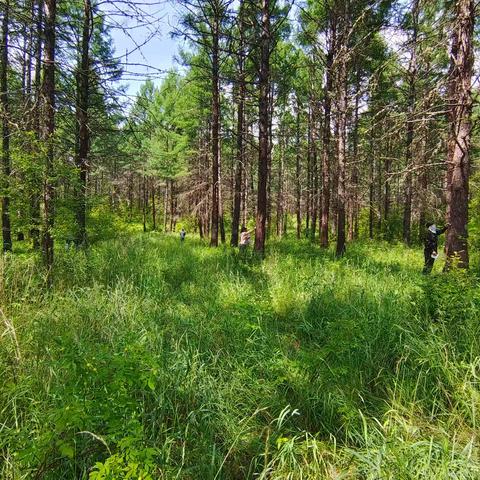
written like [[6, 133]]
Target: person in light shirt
[[244, 239]]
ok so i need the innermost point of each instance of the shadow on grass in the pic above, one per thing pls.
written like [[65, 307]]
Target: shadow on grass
[[192, 341], [316, 355]]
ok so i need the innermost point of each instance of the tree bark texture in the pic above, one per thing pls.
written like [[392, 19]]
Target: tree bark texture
[[460, 109], [264, 125]]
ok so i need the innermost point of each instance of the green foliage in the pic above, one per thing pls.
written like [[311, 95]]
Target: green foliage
[[160, 139]]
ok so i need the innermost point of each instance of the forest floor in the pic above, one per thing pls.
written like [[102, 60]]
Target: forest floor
[[161, 360]]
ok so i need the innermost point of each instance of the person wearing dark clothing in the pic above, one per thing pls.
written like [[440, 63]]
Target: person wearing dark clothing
[[431, 245]]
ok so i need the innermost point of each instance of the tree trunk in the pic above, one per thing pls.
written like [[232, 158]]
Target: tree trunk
[[412, 78], [458, 154], [264, 124], [298, 186], [371, 191], [6, 167], [386, 197], [83, 132], [245, 186], [240, 134], [172, 206], [48, 130], [308, 190], [144, 203], [31, 33], [221, 223], [130, 197], [315, 197], [355, 170], [36, 193], [342, 132], [269, 163], [423, 177], [280, 210], [154, 208], [326, 136], [215, 131], [165, 207]]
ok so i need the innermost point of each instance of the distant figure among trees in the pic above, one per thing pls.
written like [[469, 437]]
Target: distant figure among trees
[[244, 239], [431, 245], [183, 234]]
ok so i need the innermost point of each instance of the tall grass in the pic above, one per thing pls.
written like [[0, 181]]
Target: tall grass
[[155, 359]]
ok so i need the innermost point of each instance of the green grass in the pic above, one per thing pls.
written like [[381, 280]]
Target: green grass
[[155, 359]]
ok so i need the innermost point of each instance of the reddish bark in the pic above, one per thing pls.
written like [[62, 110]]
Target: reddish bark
[[264, 124], [48, 130], [460, 106], [6, 167]]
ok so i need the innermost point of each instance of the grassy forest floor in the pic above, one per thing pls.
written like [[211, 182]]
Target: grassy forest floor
[[153, 359]]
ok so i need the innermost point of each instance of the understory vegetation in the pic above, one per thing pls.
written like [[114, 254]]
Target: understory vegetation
[[152, 359]]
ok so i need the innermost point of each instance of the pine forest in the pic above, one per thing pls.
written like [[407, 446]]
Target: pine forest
[[240, 239]]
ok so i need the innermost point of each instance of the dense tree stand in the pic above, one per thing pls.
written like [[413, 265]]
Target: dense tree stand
[[325, 141]]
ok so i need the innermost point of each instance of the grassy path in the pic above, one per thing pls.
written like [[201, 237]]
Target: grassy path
[[157, 359]]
